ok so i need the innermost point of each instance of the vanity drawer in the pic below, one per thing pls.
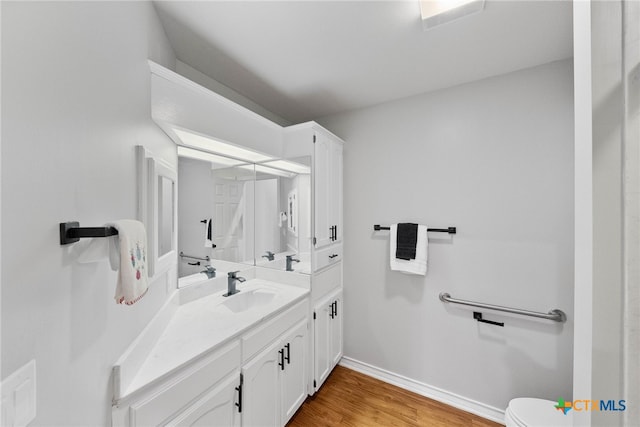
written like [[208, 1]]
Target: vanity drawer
[[326, 281], [178, 392], [327, 256], [263, 335]]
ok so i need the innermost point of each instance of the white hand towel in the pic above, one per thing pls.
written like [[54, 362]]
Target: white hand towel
[[414, 266], [131, 262]]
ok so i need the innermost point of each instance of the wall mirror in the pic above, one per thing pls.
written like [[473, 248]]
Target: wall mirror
[[283, 214], [215, 214]]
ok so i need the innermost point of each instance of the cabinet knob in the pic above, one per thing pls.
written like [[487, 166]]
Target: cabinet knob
[[281, 362], [288, 356]]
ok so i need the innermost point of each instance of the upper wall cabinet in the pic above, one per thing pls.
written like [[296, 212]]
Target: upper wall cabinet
[[326, 149]]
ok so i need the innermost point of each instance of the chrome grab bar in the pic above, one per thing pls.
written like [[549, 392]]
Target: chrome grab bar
[[555, 314], [182, 255]]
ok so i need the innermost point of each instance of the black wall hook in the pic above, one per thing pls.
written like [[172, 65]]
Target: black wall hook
[[478, 316]]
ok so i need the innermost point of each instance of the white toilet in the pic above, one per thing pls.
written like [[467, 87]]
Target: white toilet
[[531, 412]]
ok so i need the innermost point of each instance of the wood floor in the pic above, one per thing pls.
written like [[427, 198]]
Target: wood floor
[[349, 398]]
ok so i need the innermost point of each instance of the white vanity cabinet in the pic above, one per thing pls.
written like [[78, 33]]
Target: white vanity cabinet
[[259, 378], [328, 336], [275, 381], [218, 407], [261, 388], [203, 390], [294, 378]]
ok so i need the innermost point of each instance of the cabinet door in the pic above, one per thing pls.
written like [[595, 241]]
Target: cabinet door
[[321, 334], [261, 390], [336, 332], [322, 189], [216, 408], [335, 191], [294, 377]]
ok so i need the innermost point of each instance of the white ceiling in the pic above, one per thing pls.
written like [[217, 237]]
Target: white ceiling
[[307, 59]]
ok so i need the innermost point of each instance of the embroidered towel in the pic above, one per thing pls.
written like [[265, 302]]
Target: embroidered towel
[[406, 240], [414, 266], [131, 261]]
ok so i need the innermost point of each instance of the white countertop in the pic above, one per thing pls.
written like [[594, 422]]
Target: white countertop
[[206, 323]]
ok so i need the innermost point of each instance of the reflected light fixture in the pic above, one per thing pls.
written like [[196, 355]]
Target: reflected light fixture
[[207, 157], [211, 145], [269, 171], [290, 166], [436, 12]]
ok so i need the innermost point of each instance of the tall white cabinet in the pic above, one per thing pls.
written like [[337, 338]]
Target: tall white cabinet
[[327, 162], [326, 280]]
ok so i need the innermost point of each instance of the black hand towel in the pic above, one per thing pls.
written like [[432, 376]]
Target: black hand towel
[[209, 234], [407, 238]]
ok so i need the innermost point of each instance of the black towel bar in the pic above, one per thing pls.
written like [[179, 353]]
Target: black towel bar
[[71, 232], [450, 230]]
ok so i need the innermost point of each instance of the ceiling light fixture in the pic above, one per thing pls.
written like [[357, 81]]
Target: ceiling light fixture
[[211, 145], [436, 12]]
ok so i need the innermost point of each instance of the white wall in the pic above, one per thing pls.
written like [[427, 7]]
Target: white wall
[[606, 357], [583, 163], [495, 159], [607, 119], [75, 102], [631, 167]]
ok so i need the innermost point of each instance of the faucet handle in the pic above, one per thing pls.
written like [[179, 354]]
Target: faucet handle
[[233, 275]]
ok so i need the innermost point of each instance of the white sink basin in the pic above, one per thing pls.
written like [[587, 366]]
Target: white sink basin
[[246, 300]]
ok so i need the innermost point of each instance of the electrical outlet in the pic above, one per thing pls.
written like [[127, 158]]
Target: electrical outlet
[[19, 396]]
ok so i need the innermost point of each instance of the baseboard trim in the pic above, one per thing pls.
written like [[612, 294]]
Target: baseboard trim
[[443, 396]]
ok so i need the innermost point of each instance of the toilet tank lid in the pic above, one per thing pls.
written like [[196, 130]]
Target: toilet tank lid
[[529, 411]]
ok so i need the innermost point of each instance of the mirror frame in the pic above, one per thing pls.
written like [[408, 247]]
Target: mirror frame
[[149, 171], [159, 169]]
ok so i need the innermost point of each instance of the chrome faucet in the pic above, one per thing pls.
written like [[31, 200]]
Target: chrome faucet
[[209, 271], [231, 283], [270, 256], [291, 259]]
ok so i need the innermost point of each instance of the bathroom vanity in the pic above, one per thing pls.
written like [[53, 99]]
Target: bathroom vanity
[[273, 205], [215, 360]]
